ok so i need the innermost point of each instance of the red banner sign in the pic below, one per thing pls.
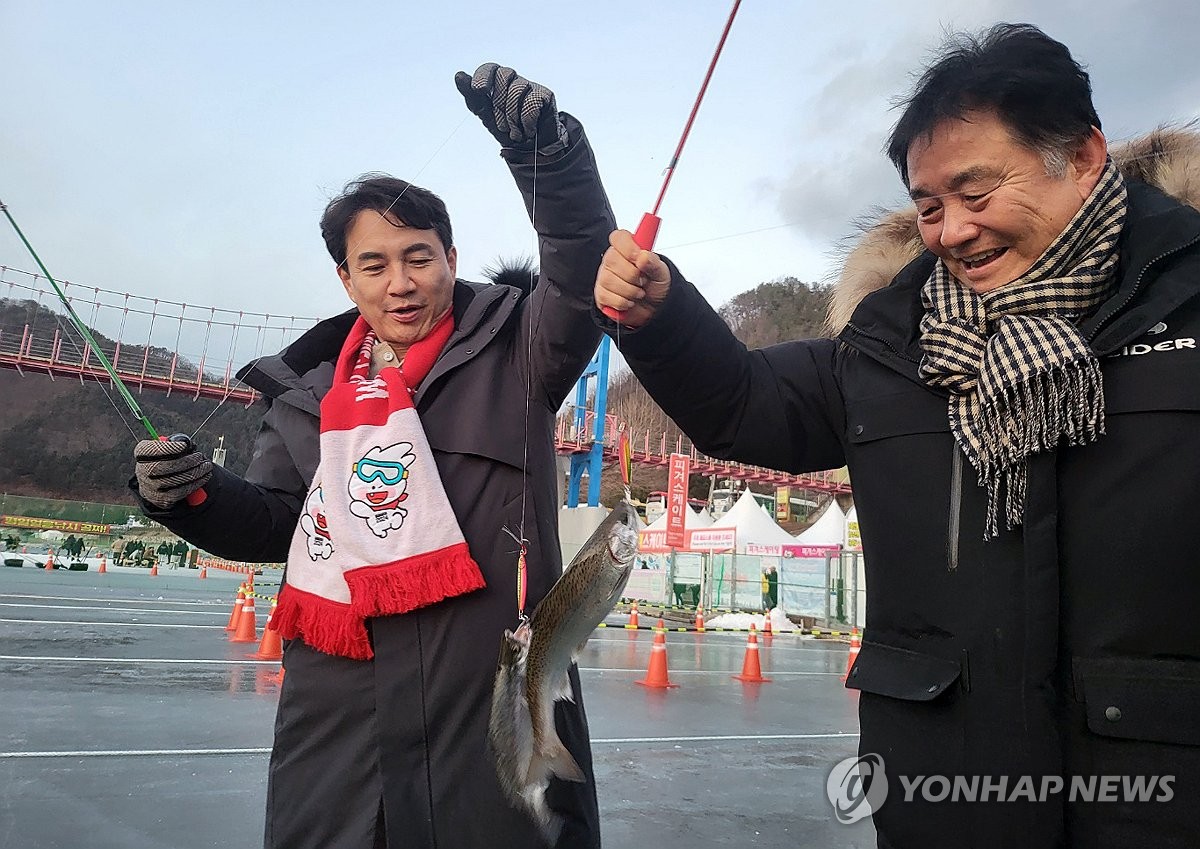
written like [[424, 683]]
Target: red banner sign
[[677, 484]]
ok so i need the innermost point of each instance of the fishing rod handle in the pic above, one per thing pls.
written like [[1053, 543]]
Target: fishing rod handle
[[646, 233]]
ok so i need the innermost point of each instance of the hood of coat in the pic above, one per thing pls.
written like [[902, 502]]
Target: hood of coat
[[301, 374], [1168, 159]]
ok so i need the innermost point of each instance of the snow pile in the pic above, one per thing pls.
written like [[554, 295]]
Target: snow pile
[[743, 621]]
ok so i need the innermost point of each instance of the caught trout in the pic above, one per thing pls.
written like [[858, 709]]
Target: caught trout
[[532, 672]]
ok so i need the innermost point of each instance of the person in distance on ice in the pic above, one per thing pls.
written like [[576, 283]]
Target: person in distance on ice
[[391, 457], [1015, 386]]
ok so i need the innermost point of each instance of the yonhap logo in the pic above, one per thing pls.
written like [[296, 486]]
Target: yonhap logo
[[856, 787]]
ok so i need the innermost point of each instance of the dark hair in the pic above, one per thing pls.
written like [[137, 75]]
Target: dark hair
[[1026, 78], [411, 205]]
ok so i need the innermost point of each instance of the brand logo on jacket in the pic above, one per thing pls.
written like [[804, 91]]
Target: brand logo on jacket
[[1166, 345], [858, 786]]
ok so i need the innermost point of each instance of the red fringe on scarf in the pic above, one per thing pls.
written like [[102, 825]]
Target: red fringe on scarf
[[413, 582], [325, 625], [391, 588]]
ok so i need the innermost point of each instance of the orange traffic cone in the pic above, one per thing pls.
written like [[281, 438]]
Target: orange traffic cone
[[247, 624], [656, 674], [855, 645], [103, 570], [154, 570], [767, 625], [633, 619], [203, 570], [700, 619], [50, 562], [271, 647], [751, 666], [237, 609]]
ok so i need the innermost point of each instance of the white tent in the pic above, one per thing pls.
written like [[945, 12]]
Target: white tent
[[692, 519], [828, 529], [753, 524]]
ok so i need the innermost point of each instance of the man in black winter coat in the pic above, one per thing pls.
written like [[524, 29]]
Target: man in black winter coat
[[380, 736], [1020, 412]]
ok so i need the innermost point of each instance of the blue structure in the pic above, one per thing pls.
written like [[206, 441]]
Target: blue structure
[[592, 459]]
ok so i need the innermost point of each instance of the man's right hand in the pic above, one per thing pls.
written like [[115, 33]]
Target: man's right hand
[[631, 280], [169, 471]]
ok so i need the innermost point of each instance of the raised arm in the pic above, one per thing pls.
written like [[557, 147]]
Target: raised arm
[[555, 170], [778, 407]]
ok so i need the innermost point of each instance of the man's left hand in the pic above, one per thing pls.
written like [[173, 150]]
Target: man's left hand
[[518, 112]]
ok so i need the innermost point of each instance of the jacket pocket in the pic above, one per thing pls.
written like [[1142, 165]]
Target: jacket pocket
[[901, 673], [911, 713], [1140, 699], [896, 414]]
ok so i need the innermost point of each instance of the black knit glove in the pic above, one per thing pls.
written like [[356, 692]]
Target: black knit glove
[[168, 471], [518, 112]]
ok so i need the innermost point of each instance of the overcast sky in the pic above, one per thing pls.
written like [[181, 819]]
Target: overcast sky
[[186, 151]]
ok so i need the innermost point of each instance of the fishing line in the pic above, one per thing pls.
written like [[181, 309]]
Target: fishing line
[[382, 218], [116, 381], [647, 228], [68, 337], [118, 384], [420, 171], [534, 320]]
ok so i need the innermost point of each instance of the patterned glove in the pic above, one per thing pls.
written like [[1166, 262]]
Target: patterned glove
[[169, 471], [514, 110]]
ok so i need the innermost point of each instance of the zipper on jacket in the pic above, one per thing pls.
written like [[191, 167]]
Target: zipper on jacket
[[901, 354], [1137, 284], [956, 472]]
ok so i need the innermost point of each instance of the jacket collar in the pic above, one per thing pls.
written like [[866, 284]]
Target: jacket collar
[[301, 374]]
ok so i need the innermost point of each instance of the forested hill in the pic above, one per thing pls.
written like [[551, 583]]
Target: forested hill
[[61, 439]]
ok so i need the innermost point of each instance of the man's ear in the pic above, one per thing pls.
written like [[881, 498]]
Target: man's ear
[[452, 260], [1087, 163], [344, 276]]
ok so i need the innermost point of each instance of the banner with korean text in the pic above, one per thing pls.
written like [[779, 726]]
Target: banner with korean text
[[677, 507]]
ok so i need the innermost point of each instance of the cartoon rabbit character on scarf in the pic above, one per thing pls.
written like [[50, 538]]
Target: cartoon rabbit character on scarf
[[377, 487]]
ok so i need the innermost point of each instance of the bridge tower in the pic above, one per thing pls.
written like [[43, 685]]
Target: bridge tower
[[591, 460]]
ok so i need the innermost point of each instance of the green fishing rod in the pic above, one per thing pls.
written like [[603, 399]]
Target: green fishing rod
[[196, 497]]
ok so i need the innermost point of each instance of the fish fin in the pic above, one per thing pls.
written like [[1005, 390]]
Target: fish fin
[[559, 761]]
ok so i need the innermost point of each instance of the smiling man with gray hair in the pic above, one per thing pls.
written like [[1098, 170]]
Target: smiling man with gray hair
[[1015, 387]]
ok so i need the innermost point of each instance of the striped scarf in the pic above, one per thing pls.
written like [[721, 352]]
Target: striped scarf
[[1021, 378]]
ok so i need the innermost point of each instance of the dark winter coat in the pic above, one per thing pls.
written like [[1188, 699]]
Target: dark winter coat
[[1067, 647], [403, 736]]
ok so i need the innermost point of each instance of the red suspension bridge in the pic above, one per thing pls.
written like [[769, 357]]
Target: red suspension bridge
[[174, 347]]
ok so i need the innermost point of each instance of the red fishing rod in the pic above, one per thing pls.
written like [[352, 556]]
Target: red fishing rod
[[648, 227]]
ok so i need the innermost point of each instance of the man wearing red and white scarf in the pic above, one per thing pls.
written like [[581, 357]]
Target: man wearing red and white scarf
[[400, 439]]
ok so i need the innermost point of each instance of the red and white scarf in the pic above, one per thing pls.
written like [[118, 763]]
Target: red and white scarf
[[376, 536]]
